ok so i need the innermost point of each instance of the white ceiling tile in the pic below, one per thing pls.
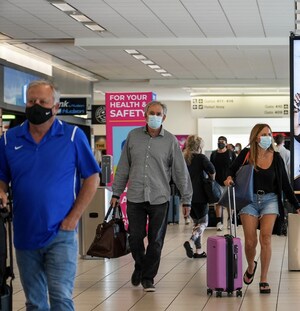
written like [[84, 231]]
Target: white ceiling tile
[[214, 62], [280, 58], [236, 61], [260, 62]]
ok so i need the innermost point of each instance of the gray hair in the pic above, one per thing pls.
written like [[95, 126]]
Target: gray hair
[[154, 102], [55, 90]]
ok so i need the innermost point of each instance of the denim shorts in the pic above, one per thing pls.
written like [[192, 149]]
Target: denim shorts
[[263, 204]]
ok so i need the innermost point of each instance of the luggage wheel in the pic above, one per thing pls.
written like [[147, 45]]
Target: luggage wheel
[[239, 293], [229, 294], [209, 291], [218, 294]]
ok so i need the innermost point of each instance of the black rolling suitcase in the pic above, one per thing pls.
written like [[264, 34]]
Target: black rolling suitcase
[[174, 203], [173, 212], [6, 264]]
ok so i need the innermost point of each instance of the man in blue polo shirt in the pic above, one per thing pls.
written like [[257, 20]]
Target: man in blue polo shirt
[[45, 161]]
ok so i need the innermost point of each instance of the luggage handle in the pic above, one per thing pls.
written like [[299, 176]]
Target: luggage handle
[[115, 211], [231, 186]]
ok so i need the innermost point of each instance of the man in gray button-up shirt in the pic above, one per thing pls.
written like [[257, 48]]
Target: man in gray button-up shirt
[[150, 157]]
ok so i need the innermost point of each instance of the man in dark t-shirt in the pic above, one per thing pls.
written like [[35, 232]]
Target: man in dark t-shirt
[[222, 158]]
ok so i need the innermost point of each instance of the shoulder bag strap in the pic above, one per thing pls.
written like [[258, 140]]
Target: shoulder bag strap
[[246, 158]]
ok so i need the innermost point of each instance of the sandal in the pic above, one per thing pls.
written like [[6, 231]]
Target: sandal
[[250, 276], [264, 288], [202, 255], [188, 249]]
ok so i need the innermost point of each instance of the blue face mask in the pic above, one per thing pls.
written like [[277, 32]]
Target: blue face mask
[[154, 121], [265, 142]]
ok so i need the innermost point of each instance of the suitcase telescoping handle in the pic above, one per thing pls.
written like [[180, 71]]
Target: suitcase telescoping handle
[[232, 207]]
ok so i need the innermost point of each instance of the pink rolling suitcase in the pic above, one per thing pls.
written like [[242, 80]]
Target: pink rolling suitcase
[[224, 260]]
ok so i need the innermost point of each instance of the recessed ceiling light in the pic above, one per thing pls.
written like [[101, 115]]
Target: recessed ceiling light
[[132, 51], [154, 66], [65, 7], [94, 27], [139, 56], [166, 75], [80, 18], [77, 15], [160, 70], [147, 62]]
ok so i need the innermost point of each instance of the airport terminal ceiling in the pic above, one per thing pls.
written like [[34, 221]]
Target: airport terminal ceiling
[[193, 46]]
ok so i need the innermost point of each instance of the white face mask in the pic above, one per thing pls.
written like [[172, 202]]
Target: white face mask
[[154, 121], [265, 142]]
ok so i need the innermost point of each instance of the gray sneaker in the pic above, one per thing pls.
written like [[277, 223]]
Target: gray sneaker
[[219, 226], [187, 220]]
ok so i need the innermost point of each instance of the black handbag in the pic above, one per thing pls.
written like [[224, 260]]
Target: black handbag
[[243, 184], [212, 190], [111, 240]]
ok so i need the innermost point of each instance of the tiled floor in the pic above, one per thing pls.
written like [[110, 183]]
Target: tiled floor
[[180, 283]]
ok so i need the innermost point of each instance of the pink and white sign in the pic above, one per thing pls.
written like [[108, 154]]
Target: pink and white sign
[[124, 111]]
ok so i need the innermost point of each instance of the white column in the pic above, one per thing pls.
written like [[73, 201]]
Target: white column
[[205, 131]]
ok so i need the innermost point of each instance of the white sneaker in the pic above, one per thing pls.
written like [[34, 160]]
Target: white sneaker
[[187, 220], [219, 226]]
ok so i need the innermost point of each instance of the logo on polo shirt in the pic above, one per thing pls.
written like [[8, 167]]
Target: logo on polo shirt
[[18, 147]]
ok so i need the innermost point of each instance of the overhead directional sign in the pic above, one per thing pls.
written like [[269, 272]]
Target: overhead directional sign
[[240, 106]]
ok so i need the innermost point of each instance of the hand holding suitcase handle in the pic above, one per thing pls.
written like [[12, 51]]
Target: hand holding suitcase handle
[[229, 181], [3, 199], [4, 212]]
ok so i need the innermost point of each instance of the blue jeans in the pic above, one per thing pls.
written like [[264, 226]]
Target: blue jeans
[[147, 261], [263, 204], [50, 270]]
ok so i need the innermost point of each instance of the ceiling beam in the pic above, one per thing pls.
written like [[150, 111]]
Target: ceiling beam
[[180, 43]]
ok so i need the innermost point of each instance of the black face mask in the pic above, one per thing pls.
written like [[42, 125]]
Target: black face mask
[[38, 114], [221, 145]]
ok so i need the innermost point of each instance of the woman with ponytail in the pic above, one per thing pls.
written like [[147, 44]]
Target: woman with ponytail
[[198, 166]]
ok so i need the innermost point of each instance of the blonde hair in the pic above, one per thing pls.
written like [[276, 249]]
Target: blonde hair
[[193, 144]]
